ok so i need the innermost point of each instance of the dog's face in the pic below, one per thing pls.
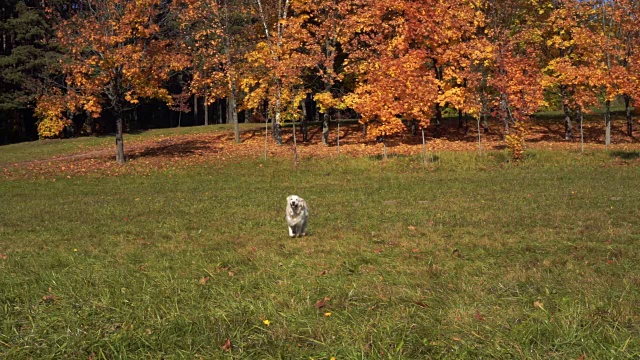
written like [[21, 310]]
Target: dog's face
[[294, 201]]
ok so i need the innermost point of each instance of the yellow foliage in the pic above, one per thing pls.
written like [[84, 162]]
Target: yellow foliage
[[326, 101], [49, 110], [52, 127], [515, 141]]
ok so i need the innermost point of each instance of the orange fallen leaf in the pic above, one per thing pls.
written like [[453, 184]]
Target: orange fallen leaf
[[204, 280], [320, 303], [227, 345], [50, 298]]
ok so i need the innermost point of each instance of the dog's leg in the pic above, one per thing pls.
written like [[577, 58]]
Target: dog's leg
[[303, 228], [291, 233]]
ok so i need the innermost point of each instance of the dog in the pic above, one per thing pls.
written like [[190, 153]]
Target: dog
[[297, 215]]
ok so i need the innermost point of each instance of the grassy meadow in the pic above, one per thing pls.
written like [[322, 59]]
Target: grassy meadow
[[469, 257]]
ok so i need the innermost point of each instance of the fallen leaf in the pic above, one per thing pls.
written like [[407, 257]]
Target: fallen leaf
[[204, 280], [227, 345], [478, 316], [3, 256], [538, 304], [420, 303], [323, 272], [412, 228], [320, 303]]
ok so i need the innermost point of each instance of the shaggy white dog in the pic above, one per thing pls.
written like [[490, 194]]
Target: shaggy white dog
[[297, 214]]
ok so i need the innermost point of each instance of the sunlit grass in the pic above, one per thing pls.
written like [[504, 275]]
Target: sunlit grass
[[467, 256]]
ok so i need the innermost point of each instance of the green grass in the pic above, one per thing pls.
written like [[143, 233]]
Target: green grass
[[472, 257]]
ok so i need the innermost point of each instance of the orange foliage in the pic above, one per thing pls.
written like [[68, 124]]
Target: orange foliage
[[410, 63], [390, 61]]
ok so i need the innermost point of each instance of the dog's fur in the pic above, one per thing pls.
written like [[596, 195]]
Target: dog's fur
[[297, 215]]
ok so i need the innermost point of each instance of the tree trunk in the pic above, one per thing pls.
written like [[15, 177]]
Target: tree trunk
[[232, 112], [567, 121], [627, 108], [206, 111], [295, 147], [276, 129], [507, 118], [607, 121], [325, 129], [581, 117], [436, 132], [479, 137], [305, 114], [195, 109], [221, 119], [120, 159]]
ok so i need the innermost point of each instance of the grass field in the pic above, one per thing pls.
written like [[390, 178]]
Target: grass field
[[470, 257]]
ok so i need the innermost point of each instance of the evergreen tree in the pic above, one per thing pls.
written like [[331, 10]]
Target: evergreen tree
[[27, 62]]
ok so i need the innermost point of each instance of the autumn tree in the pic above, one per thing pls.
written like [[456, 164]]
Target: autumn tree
[[115, 53], [611, 73], [518, 83], [324, 28], [276, 63], [625, 16], [391, 63], [201, 29], [409, 67]]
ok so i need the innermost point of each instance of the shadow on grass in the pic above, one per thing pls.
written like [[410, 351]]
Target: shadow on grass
[[390, 156], [626, 155], [180, 149]]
